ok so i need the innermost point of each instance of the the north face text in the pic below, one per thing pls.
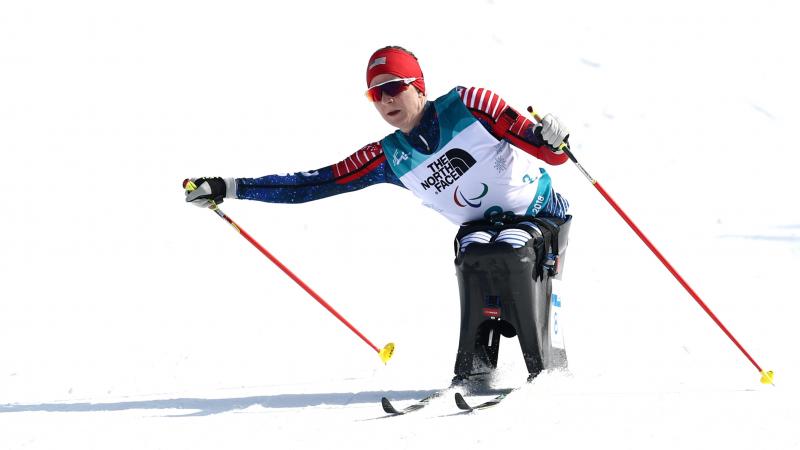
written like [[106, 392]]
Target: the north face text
[[447, 169]]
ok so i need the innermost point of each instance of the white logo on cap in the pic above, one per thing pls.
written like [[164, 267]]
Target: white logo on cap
[[377, 62]]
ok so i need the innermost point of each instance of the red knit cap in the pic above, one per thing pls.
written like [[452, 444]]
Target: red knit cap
[[396, 62]]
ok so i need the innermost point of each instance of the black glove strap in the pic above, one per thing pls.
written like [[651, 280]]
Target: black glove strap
[[217, 186]]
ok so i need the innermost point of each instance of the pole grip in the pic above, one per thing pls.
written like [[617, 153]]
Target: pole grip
[[564, 147], [189, 185]]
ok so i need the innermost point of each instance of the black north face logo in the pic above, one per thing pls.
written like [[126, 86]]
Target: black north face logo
[[447, 169]]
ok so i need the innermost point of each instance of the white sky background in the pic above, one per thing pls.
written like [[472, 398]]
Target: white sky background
[[114, 290]]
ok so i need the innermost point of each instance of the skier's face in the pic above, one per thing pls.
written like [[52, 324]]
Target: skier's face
[[402, 111]]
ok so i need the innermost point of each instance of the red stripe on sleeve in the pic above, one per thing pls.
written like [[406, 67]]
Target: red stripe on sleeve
[[499, 109], [476, 101], [492, 104], [485, 98], [359, 163]]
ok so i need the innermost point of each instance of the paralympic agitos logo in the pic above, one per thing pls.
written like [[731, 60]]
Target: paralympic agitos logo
[[469, 201], [448, 168]]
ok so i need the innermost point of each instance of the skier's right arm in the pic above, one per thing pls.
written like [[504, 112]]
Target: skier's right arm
[[361, 169]]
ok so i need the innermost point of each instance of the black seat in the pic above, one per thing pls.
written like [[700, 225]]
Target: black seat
[[507, 291]]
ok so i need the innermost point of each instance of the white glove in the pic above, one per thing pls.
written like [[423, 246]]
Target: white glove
[[553, 131], [212, 189]]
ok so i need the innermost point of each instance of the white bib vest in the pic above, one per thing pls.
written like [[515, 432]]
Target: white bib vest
[[470, 175]]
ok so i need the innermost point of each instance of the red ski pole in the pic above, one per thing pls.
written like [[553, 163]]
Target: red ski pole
[[766, 376], [385, 353]]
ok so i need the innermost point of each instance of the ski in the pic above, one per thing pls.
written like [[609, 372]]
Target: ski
[[416, 406], [462, 404]]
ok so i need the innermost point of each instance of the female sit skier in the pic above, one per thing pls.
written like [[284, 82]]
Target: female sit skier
[[455, 153]]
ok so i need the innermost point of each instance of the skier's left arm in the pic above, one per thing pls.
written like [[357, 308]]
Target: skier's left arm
[[541, 140]]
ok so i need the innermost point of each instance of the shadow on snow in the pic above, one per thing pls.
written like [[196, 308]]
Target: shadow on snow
[[757, 237], [208, 406]]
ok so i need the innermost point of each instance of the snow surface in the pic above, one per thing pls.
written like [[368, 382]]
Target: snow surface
[[130, 320]]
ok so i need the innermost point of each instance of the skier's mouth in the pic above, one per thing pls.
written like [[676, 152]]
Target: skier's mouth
[[394, 113]]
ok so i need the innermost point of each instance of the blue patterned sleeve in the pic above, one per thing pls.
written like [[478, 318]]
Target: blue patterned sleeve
[[361, 169]]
